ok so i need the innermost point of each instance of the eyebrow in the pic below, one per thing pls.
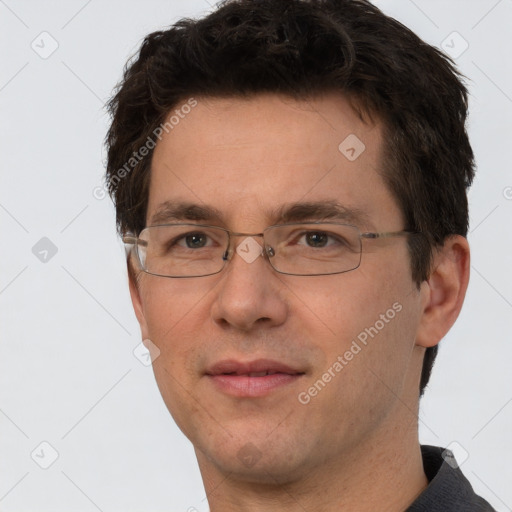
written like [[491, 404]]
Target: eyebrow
[[179, 211]]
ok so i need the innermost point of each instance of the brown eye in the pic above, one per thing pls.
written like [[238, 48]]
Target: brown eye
[[195, 240], [317, 239]]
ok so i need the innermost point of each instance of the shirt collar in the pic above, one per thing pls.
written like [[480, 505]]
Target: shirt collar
[[448, 489]]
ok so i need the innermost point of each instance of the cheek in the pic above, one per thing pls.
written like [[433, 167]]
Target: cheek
[[386, 309], [343, 306], [171, 306], [372, 330], [174, 314], [367, 317]]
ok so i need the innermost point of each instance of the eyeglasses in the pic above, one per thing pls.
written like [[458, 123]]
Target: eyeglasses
[[299, 249]]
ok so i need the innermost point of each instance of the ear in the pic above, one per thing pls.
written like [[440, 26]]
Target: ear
[[444, 291], [136, 299]]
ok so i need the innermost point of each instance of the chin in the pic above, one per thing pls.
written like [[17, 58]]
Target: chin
[[255, 458]]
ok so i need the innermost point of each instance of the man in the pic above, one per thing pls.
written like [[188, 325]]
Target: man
[[290, 179]]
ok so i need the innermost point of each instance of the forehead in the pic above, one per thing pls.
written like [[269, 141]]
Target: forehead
[[247, 158]]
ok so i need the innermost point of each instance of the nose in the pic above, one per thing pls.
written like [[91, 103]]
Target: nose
[[250, 294]]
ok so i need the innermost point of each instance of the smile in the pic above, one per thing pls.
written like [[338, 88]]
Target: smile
[[252, 379]]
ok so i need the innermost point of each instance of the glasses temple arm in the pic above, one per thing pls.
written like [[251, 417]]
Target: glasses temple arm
[[132, 240], [389, 234]]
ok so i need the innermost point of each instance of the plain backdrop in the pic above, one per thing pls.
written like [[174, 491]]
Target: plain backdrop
[[74, 397]]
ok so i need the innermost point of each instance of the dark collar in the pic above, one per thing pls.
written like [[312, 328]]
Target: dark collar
[[448, 489]]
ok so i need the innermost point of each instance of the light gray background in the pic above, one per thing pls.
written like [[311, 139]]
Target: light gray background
[[68, 375]]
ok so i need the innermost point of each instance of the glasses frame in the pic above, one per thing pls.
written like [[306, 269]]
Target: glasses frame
[[134, 241]]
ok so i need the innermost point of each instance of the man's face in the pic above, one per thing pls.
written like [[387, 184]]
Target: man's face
[[247, 159]]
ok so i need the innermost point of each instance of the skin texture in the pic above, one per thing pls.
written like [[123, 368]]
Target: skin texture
[[354, 446]]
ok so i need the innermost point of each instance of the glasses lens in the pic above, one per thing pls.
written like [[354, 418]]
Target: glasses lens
[[314, 249], [184, 250]]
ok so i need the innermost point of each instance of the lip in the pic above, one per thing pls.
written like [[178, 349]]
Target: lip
[[237, 378]]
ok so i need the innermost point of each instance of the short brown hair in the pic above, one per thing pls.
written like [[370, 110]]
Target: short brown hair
[[300, 48]]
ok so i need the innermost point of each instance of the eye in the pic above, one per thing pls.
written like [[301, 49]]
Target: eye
[[195, 240], [318, 239], [186, 241]]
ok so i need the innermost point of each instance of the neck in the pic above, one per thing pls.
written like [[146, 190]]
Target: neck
[[385, 474]]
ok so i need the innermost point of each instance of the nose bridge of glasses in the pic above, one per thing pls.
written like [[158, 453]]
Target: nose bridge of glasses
[[234, 233], [237, 234], [247, 251]]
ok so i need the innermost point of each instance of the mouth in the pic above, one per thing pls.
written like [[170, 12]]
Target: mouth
[[254, 374], [252, 379]]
